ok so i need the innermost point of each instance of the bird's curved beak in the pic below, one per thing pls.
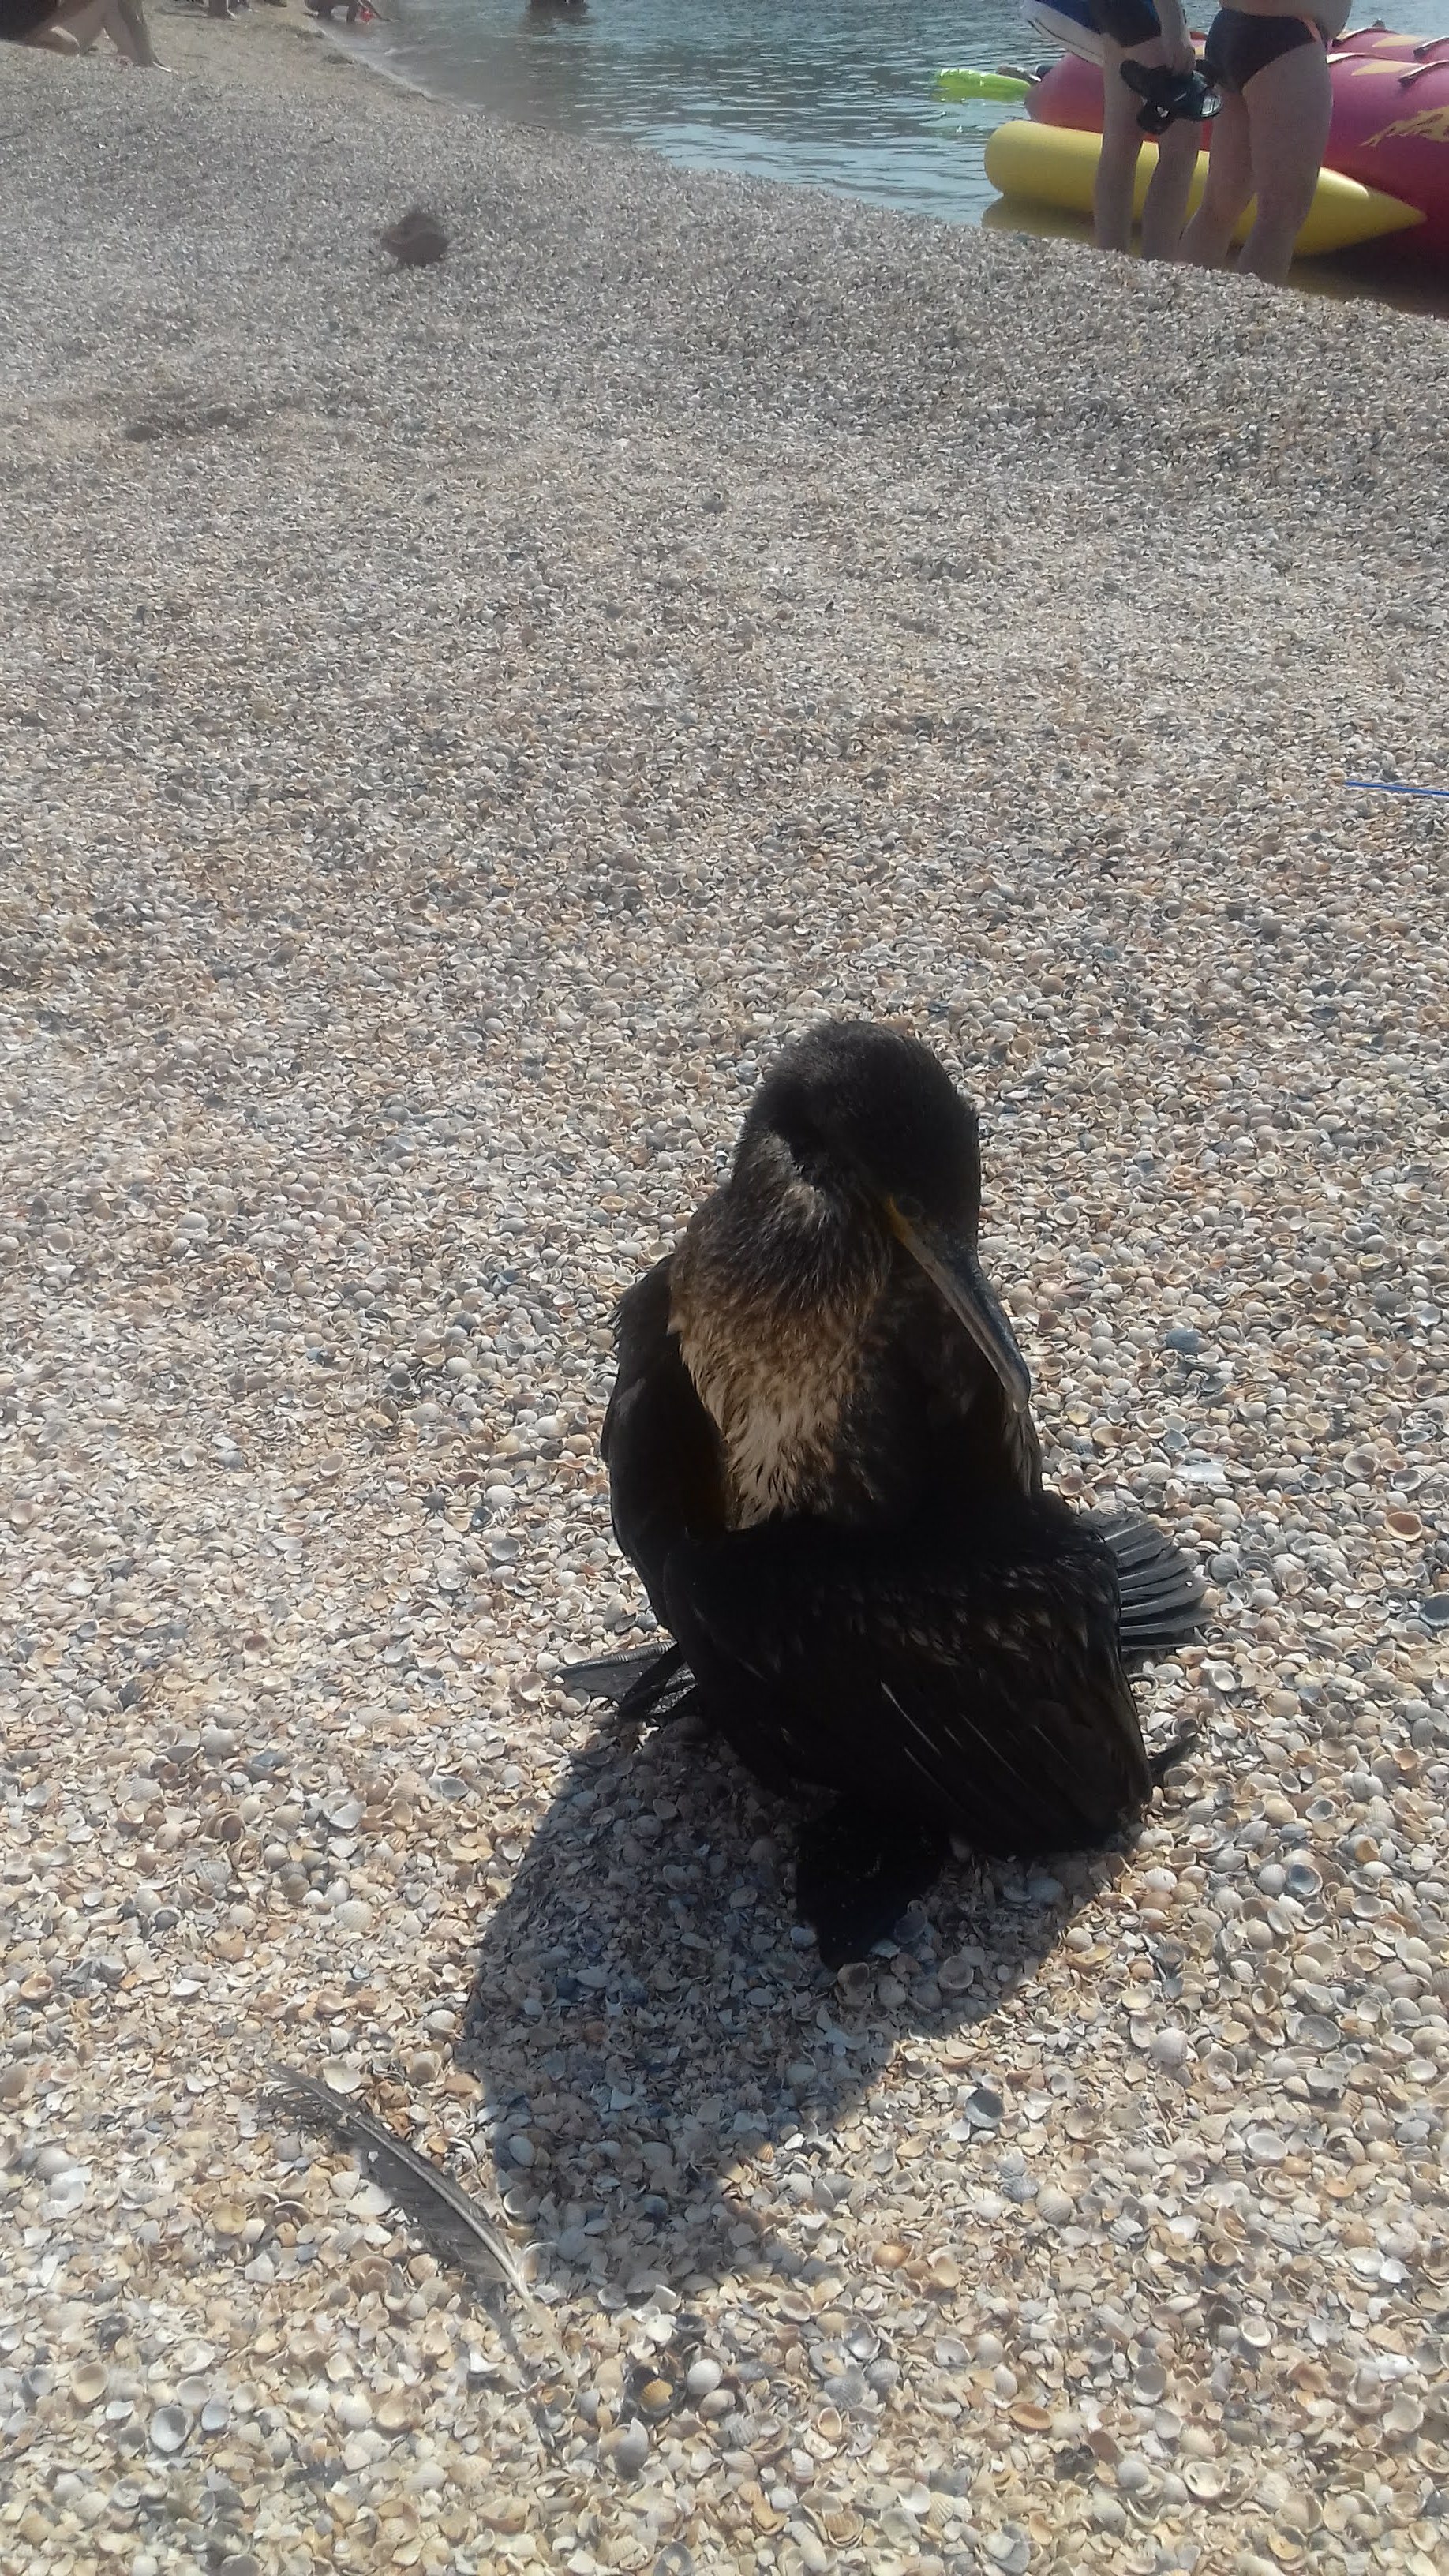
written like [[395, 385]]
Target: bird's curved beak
[[952, 1267]]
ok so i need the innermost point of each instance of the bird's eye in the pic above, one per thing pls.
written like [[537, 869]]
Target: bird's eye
[[909, 1208]]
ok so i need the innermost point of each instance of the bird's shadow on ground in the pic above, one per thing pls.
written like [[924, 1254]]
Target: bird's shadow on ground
[[645, 2019]]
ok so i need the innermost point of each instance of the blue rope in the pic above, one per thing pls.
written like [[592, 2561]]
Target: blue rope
[[1392, 787]]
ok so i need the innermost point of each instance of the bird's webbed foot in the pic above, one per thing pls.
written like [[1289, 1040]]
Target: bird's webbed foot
[[858, 1869]]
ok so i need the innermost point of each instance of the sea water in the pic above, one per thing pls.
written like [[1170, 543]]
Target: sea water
[[825, 93]]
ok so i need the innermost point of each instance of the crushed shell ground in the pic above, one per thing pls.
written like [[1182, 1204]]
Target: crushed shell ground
[[453, 724]]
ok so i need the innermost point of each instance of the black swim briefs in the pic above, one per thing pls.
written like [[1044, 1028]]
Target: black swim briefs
[[1240, 45], [1127, 22]]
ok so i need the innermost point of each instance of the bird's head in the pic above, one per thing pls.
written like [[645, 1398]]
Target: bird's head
[[868, 1123]]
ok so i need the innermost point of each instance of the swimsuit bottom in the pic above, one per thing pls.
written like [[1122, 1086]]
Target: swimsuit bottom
[[1127, 22], [1240, 45]]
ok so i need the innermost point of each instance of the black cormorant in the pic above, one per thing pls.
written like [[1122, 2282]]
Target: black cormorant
[[823, 1465]]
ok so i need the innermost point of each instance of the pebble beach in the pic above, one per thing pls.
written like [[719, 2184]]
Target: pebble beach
[[454, 724]]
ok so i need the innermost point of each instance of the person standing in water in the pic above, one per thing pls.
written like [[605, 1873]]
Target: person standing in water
[[1269, 136], [1157, 38]]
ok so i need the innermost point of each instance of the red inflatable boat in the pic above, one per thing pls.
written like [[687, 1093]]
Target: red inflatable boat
[[1390, 127]]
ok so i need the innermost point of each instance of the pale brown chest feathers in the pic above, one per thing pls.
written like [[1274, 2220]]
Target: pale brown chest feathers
[[777, 1371]]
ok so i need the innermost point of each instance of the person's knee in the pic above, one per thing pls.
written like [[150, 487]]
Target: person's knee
[[1182, 142], [1284, 201], [1121, 139], [1118, 163]]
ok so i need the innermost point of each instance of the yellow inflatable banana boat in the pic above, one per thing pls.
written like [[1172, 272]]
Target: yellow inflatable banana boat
[[1056, 165]]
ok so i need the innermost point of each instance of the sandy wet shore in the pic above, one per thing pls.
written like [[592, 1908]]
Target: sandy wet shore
[[453, 725]]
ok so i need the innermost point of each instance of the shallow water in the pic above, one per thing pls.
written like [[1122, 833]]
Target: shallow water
[[826, 93]]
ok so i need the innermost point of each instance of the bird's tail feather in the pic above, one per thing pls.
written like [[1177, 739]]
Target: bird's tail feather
[[650, 1683], [1163, 1601]]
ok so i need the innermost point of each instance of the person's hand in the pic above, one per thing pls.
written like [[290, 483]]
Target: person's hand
[[1180, 54]]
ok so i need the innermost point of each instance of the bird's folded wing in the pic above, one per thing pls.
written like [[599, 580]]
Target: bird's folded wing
[[659, 1444], [981, 1687]]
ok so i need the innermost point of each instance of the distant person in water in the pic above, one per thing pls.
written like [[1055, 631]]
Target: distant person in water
[[1270, 134], [1136, 31]]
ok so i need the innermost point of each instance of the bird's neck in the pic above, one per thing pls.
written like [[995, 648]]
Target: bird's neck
[[772, 1245], [774, 1292]]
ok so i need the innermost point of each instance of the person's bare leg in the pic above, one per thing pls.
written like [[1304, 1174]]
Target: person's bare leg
[[1229, 186], [83, 20], [1289, 104], [1164, 210], [118, 29], [134, 18], [1121, 144], [1166, 201]]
